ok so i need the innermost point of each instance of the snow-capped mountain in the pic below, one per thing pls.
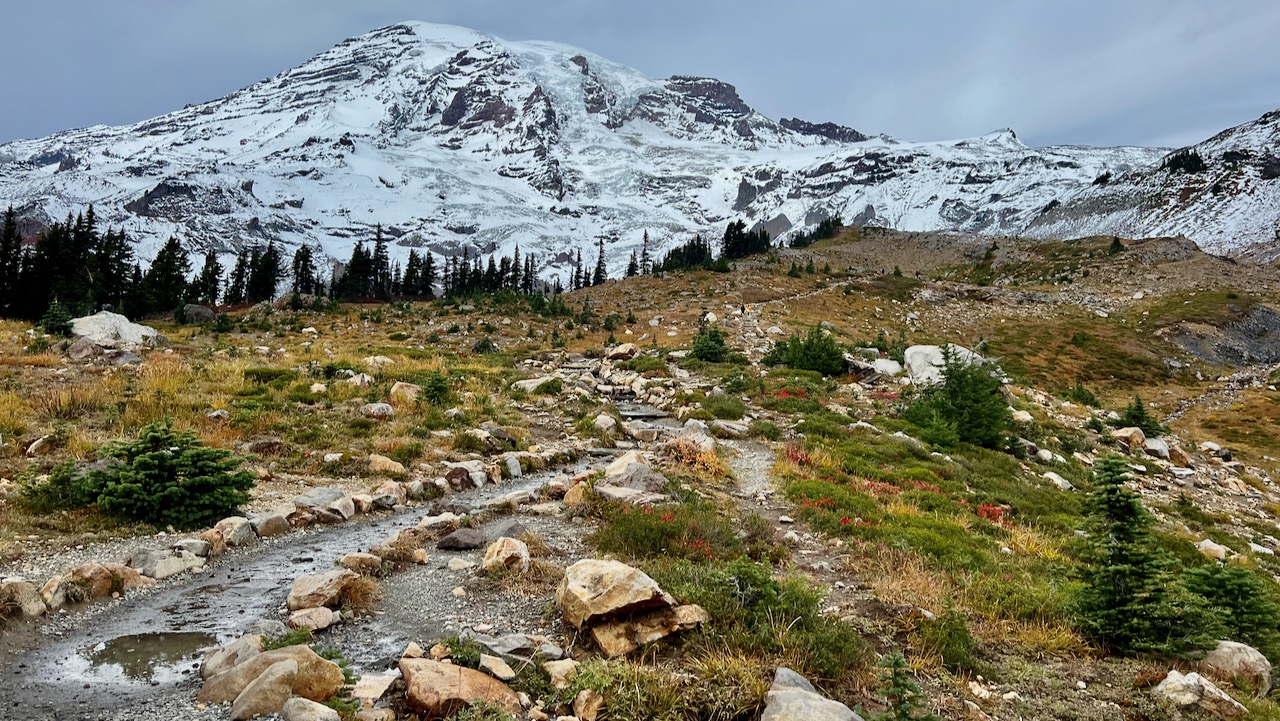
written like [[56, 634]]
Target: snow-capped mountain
[[449, 137]]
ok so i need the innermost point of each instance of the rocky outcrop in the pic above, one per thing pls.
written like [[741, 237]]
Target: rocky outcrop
[[594, 591], [1231, 662], [112, 329], [322, 589], [793, 698], [1195, 691], [317, 679]]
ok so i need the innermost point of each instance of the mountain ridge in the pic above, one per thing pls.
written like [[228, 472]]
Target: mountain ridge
[[449, 137]]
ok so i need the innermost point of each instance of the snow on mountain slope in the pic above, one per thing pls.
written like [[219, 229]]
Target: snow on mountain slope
[[451, 138], [1232, 205]]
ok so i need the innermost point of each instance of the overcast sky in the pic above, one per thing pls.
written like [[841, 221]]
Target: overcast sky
[[1100, 72]]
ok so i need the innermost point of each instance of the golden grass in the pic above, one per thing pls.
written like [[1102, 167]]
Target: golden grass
[[361, 596], [34, 360]]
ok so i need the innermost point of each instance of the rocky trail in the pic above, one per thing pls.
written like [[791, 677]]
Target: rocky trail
[[138, 657]]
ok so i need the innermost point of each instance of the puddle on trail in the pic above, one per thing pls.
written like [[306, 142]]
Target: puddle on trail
[[148, 657]]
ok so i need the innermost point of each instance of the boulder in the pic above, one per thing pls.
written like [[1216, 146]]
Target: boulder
[[924, 363], [1022, 417], [405, 392], [793, 698], [316, 619], [623, 462], [729, 429], [317, 679], [267, 693], [439, 690], [887, 367], [595, 590], [378, 411], [1157, 448], [268, 525], [1058, 481], [26, 596], [529, 385], [174, 564], [618, 638], [359, 380], [231, 655], [605, 423], [320, 589], [217, 542], [372, 687], [618, 494], [588, 704], [506, 554], [626, 351], [107, 328], [637, 476], [1194, 690], [54, 594], [1232, 661], [562, 673], [463, 539], [318, 497], [1179, 457], [366, 564], [344, 507], [301, 709], [1213, 549], [385, 466], [1132, 437], [198, 314], [237, 531]]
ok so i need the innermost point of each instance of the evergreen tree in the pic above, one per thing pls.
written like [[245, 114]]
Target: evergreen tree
[[1127, 603], [10, 262], [165, 282], [266, 270], [207, 285], [112, 263], [601, 273], [134, 302], [427, 276], [968, 403], [516, 270], [381, 268], [738, 243], [238, 280], [633, 266], [646, 257], [305, 278]]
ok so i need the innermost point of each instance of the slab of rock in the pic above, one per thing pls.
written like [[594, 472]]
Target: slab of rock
[[344, 507], [386, 466], [1213, 549], [405, 392], [366, 564], [320, 589], [26, 596], [1194, 690], [595, 590], [176, 563], [267, 693], [439, 690], [1058, 481], [506, 554], [562, 673], [109, 328], [625, 495], [924, 363], [637, 476], [626, 351], [268, 525], [231, 655], [1231, 661], [316, 619], [237, 531], [463, 539], [496, 667], [793, 698], [378, 411], [372, 687], [301, 709], [83, 349], [618, 638], [623, 462], [1157, 448], [605, 423], [730, 429], [1132, 437], [530, 385], [317, 679]]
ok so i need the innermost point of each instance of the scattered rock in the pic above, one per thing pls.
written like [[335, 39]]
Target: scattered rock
[[588, 704], [267, 693], [1213, 550], [378, 411], [562, 673], [793, 698], [385, 466], [26, 596], [1022, 417], [405, 392], [317, 679], [1132, 437], [1194, 690], [237, 531], [439, 690], [507, 554], [605, 423], [107, 328], [1232, 661], [316, 619], [496, 667], [595, 590], [1059, 481], [365, 564], [626, 351], [198, 314], [618, 638], [269, 525], [231, 655], [320, 589], [463, 539], [301, 709], [1156, 447]]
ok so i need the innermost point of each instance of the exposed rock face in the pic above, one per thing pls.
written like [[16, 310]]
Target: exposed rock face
[[107, 328], [831, 131], [924, 363], [439, 690], [594, 591], [618, 638]]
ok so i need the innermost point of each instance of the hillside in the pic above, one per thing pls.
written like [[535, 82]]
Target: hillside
[[428, 480], [450, 138]]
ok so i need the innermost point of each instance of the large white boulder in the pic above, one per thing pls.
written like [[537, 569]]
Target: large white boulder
[[924, 363], [107, 328]]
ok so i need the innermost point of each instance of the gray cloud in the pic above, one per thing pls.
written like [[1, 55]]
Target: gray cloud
[[1166, 72]]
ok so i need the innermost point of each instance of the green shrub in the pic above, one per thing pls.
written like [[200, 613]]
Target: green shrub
[[435, 389], [1135, 415], [56, 320], [948, 637], [1241, 602], [169, 479], [1083, 396], [725, 406], [694, 531], [550, 388], [968, 397], [267, 376], [61, 491], [464, 651], [767, 430], [290, 637], [645, 364], [484, 346], [816, 351], [709, 345]]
